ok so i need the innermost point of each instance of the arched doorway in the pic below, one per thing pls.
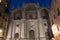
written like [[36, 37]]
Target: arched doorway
[[16, 36], [32, 35]]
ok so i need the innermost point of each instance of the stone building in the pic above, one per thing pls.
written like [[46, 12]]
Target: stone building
[[3, 25], [29, 23], [3, 20], [55, 19]]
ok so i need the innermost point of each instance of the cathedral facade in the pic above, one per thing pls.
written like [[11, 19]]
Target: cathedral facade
[[28, 23]]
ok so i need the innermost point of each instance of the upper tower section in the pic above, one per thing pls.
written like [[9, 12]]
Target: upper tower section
[[16, 14], [30, 10]]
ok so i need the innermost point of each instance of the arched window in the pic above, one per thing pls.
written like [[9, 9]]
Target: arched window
[[17, 16], [45, 14], [32, 35], [16, 35]]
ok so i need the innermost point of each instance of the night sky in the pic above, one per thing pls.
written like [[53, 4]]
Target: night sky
[[18, 3]]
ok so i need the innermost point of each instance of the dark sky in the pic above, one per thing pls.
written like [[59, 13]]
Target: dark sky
[[18, 3]]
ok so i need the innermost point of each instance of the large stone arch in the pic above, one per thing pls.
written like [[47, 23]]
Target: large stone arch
[[30, 11], [44, 11], [16, 11]]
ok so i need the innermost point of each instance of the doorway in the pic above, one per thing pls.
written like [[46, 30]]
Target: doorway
[[31, 35]]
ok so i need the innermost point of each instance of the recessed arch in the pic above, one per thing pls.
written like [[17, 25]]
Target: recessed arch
[[16, 14], [44, 13], [31, 11], [16, 35], [32, 35]]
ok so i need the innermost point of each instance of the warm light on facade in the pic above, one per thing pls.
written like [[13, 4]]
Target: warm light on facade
[[17, 38], [1, 32], [0, 1], [54, 29]]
